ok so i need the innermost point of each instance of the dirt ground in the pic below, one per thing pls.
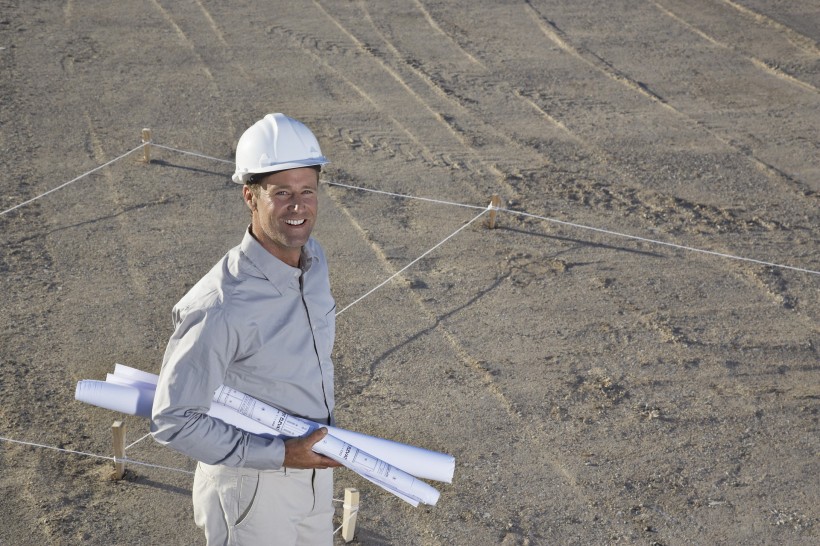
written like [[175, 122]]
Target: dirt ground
[[594, 389]]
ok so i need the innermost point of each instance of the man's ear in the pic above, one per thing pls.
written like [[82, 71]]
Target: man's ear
[[250, 198]]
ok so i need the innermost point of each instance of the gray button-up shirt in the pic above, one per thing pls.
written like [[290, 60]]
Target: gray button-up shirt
[[260, 326]]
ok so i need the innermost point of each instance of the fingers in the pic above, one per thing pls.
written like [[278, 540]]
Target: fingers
[[299, 452], [316, 436]]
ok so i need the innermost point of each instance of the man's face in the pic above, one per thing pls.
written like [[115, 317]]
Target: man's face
[[284, 212]]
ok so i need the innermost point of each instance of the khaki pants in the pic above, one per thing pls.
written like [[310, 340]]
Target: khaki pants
[[245, 507]]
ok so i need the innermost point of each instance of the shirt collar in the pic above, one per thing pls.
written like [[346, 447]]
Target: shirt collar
[[275, 270]]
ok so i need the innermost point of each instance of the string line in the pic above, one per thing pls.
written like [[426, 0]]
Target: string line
[[404, 196], [439, 201], [138, 441], [203, 156], [94, 455], [582, 226], [32, 444], [400, 271], [95, 169], [664, 243], [345, 520], [132, 461], [547, 219]]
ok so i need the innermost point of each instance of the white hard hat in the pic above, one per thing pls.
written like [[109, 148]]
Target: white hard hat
[[275, 143]]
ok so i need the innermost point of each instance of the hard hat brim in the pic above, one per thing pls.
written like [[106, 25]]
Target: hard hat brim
[[244, 176]]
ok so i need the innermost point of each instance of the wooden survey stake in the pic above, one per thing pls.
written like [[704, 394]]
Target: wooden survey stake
[[351, 507], [495, 204], [146, 145], [118, 434]]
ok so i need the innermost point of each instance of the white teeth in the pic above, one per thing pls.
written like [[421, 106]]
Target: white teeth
[[295, 222]]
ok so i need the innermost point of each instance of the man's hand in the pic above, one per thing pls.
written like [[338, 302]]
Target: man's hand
[[299, 454]]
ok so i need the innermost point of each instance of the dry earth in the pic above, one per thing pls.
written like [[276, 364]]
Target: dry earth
[[594, 389]]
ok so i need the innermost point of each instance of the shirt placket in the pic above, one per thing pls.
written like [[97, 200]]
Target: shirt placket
[[315, 344]]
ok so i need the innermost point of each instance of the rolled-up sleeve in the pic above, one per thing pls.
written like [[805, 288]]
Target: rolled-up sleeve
[[199, 352]]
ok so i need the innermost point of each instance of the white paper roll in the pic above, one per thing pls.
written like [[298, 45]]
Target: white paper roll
[[128, 382], [122, 370], [369, 465], [233, 417], [420, 462], [131, 391], [109, 396]]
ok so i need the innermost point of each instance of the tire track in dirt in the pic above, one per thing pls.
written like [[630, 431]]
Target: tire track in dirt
[[436, 27], [375, 144], [714, 216], [460, 137], [602, 156], [455, 100], [495, 165], [192, 46], [384, 66], [556, 35], [764, 66], [476, 121], [777, 73], [794, 37], [559, 38], [212, 23], [215, 28], [138, 281], [182, 36], [501, 173]]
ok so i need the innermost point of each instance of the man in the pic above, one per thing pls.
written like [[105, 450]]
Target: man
[[262, 321]]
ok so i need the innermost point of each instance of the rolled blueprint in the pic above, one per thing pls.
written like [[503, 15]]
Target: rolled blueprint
[[391, 465], [421, 463], [376, 470], [233, 417], [120, 398], [350, 456]]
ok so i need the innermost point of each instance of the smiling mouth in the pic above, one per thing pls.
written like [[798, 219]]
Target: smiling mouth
[[295, 222]]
